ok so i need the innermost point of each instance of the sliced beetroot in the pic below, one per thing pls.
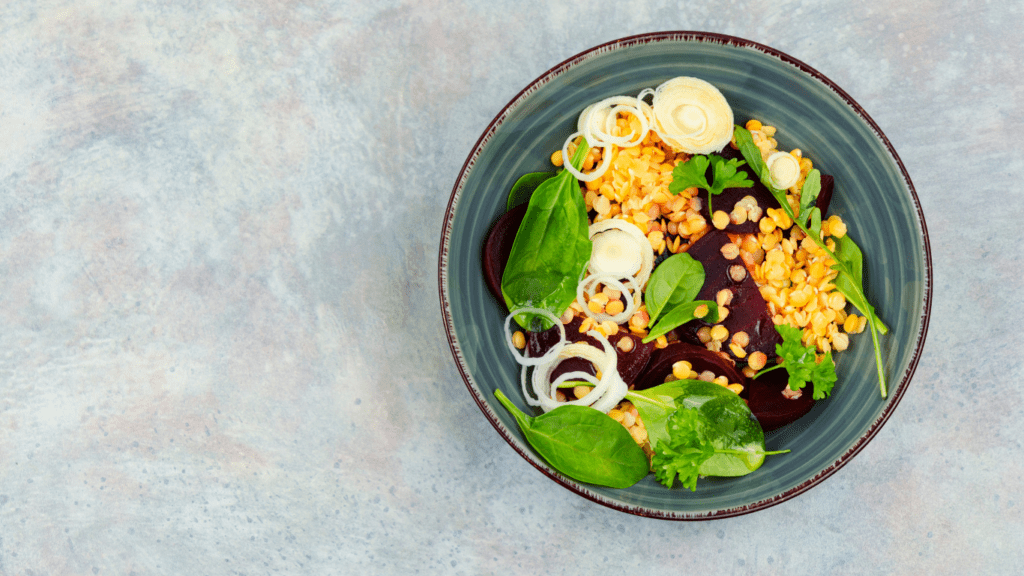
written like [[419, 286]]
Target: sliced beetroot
[[699, 357], [748, 311], [825, 196], [498, 247], [629, 364], [770, 407]]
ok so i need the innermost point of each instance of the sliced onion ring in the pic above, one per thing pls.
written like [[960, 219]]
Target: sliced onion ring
[[551, 354], [607, 392], [608, 279], [606, 161], [646, 251]]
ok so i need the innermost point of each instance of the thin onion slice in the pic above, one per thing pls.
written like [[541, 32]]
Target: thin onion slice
[[606, 161], [646, 250], [585, 288], [551, 354], [608, 391], [597, 121], [574, 376], [707, 119]]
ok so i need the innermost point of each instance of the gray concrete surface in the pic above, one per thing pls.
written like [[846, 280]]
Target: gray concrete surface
[[221, 350]]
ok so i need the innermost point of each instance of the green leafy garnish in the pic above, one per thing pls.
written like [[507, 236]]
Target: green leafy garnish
[[583, 443], [847, 255], [699, 428], [724, 174], [686, 450], [679, 315], [670, 293], [551, 249], [801, 362], [525, 186]]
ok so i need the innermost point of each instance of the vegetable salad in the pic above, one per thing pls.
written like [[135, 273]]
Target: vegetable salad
[[675, 261]]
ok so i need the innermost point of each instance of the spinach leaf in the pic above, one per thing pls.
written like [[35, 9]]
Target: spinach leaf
[[675, 281], [710, 433], [584, 444], [551, 249], [679, 315], [524, 188]]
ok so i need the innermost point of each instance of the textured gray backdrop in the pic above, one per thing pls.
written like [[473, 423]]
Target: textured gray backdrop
[[221, 349]]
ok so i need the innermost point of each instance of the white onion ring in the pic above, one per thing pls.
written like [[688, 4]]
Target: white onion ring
[[606, 161], [646, 250], [607, 392], [595, 279], [574, 376], [551, 354], [605, 112], [683, 91]]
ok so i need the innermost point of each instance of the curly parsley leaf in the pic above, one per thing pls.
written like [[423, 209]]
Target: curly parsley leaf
[[686, 449], [801, 362], [724, 174]]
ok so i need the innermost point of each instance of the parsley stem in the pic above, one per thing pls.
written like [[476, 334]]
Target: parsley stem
[[776, 367]]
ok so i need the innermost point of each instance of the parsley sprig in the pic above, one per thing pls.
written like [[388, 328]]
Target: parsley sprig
[[801, 362], [724, 174], [692, 441]]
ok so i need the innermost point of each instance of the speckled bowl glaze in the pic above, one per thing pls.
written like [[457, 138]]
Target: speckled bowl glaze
[[873, 194]]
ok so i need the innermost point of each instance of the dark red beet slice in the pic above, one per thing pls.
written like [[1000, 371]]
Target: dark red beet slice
[[825, 196], [748, 312], [770, 407], [630, 364], [660, 365], [498, 247]]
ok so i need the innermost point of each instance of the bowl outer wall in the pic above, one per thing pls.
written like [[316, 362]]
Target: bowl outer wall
[[873, 194]]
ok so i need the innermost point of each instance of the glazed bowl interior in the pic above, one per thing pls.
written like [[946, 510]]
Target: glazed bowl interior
[[873, 194]]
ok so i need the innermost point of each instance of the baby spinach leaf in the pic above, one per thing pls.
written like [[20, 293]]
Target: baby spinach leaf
[[583, 443], [525, 186], [551, 249], [679, 315], [675, 281]]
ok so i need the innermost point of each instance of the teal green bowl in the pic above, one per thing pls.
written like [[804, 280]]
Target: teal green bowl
[[873, 194]]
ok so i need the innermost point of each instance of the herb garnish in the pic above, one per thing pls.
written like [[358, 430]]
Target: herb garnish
[[802, 363], [699, 429], [847, 255], [724, 174]]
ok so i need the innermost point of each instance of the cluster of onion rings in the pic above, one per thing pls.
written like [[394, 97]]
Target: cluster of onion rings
[[608, 390]]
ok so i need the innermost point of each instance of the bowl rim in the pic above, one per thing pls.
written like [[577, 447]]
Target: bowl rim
[[896, 392]]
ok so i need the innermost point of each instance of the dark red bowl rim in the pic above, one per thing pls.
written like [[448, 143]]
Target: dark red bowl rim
[[896, 392]]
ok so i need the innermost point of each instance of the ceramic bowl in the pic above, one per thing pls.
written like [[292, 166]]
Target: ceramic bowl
[[873, 194]]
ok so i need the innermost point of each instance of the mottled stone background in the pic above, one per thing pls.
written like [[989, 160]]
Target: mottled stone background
[[221, 349]]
